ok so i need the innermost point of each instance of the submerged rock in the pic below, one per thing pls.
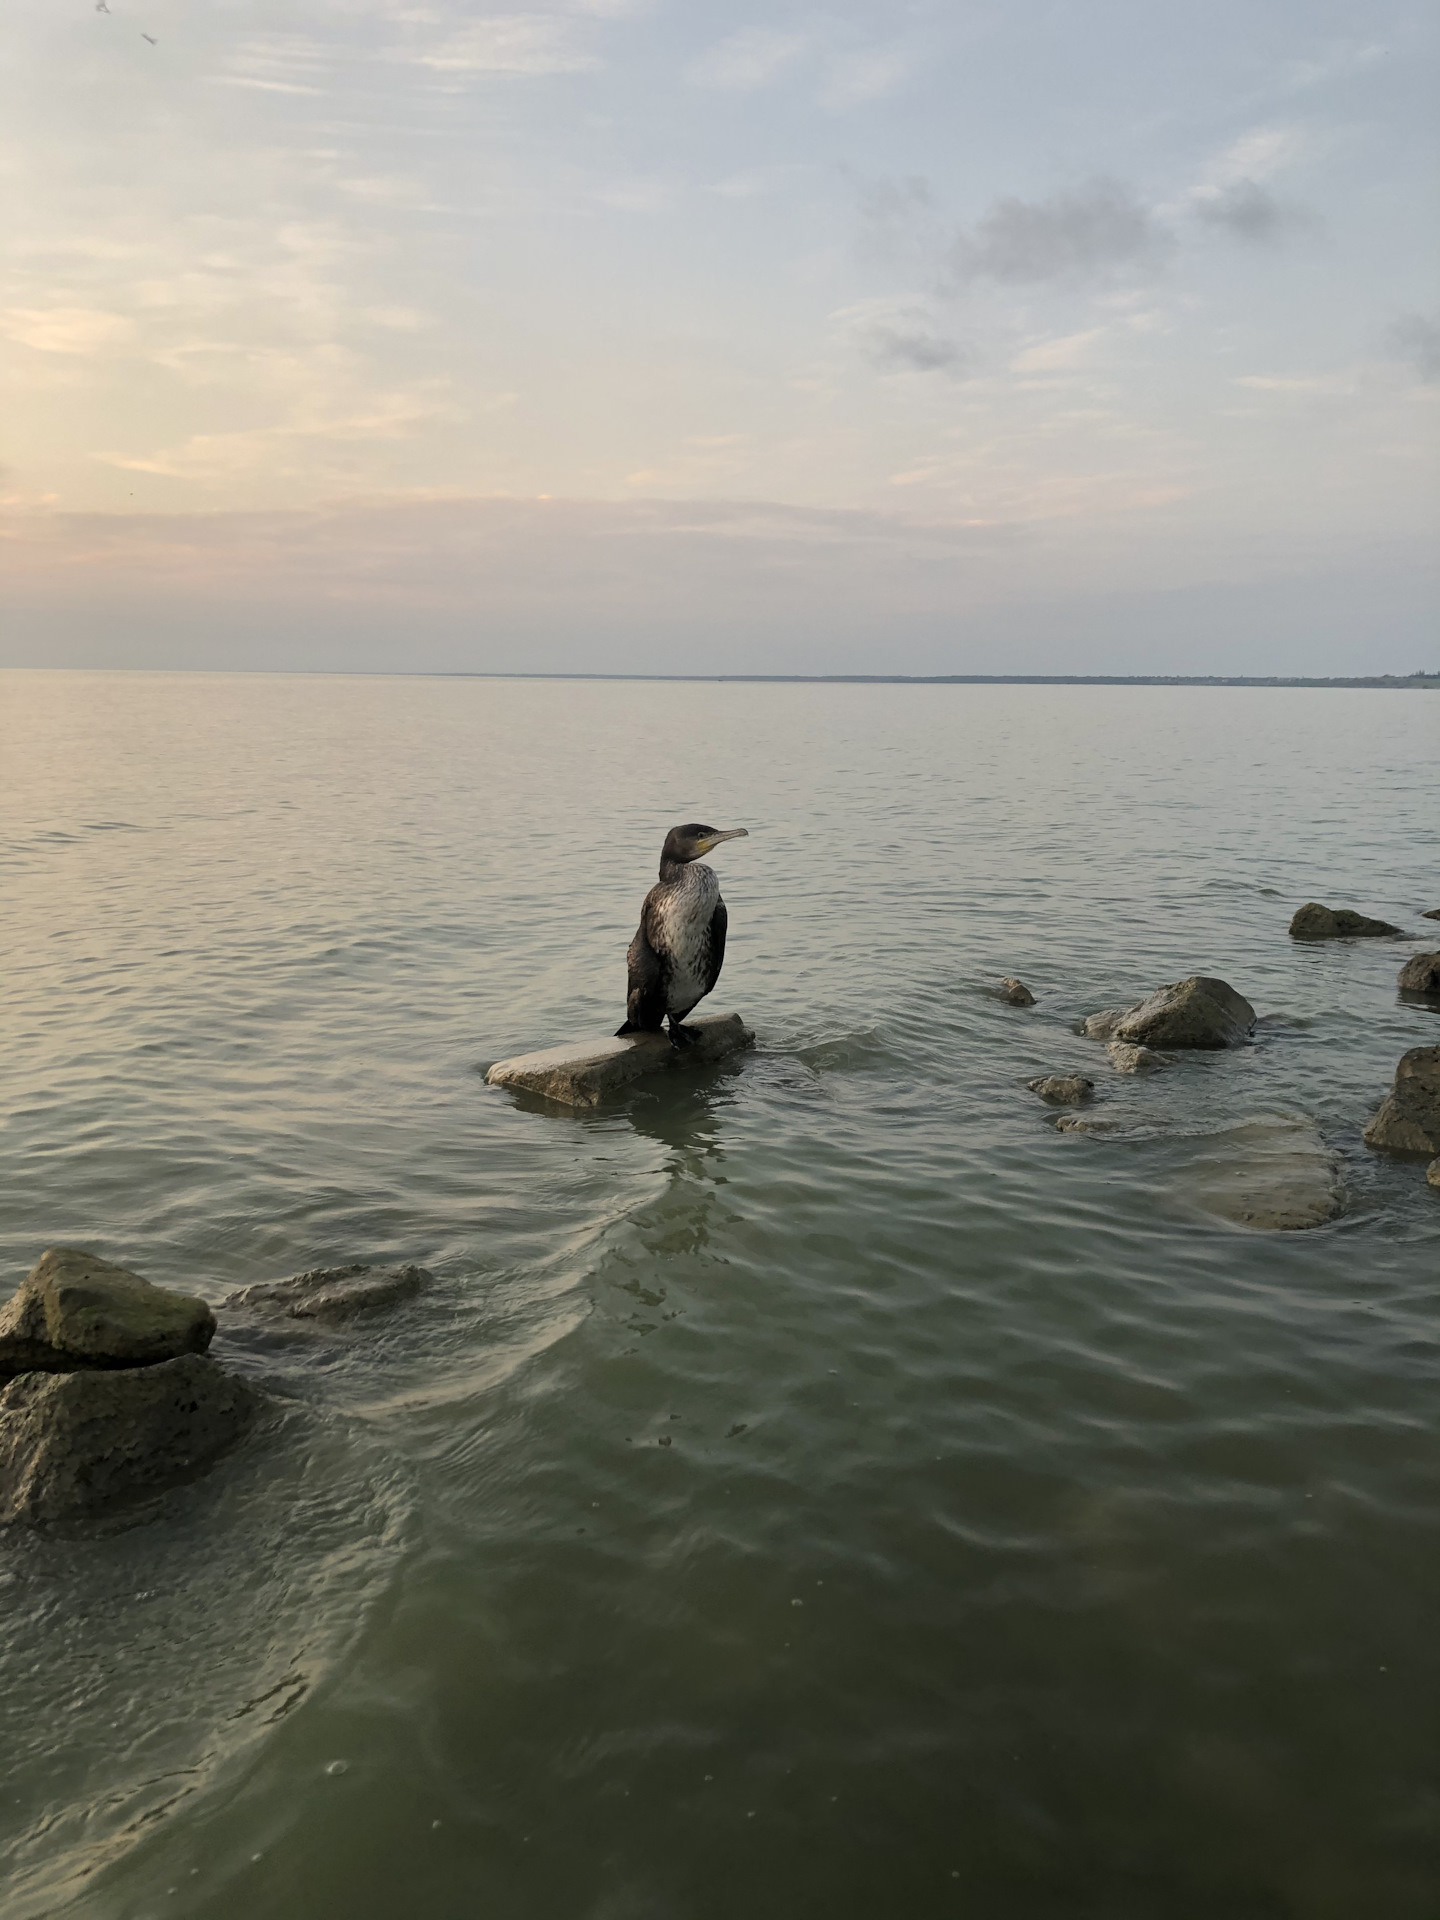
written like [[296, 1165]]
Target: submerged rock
[[333, 1293], [1409, 1117], [1087, 1123], [1015, 992], [1127, 1059], [1314, 922], [1274, 1173], [1062, 1089], [1432, 1174], [1421, 975], [1198, 1012], [74, 1310], [1431, 913], [73, 1444]]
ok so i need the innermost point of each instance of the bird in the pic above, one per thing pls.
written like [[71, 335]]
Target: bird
[[151, 38], [101, 6], [679, 947]]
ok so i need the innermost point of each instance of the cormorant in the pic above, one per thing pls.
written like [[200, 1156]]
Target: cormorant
[[679, 947]]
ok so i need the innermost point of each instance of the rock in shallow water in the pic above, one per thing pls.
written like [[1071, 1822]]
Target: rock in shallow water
[[1432, 1174], [1409, 1117], [74, 1310], [1421, 975], [1314, 922], [333, 1293], [584, 1073], [74, 1444], [1198, 1012], [1273, 1173], [1015, 992], [1127, 1059], [1062, 1089]]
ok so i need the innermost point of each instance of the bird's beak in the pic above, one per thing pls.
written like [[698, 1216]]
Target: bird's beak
[[731, 833]]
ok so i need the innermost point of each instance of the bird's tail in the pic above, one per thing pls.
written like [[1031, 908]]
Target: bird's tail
[[629, 1027]]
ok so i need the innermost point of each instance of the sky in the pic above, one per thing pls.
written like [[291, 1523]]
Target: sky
[[637, 336]]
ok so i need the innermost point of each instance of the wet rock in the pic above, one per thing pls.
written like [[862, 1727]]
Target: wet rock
[[1127, 1059], [1431, 913], [76, 1444], [1100, 1026], [1197, 1012], [584, 1073], [1062, 1089], [1409, 1117], [1274, 1173], [74, 1310], [1420, 975], [1086, 1123], [1432, 1174], [1015, 992], [333, 1293], [1314, 922]]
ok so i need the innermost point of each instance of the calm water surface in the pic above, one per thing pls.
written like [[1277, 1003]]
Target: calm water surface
[[818, 1488]]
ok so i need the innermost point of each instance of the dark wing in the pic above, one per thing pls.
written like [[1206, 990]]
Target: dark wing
[[645, 985], [719, 921]]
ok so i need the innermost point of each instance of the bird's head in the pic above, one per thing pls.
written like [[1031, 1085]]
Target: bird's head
[[693, 842]]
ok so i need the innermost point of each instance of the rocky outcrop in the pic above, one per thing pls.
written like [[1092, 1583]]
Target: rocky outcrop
[[1420, 975], [75, 1311], [1127, 1059], [1432, 1174], [1314, 922], [1409, 1116], [1015, 992], [588, 1072], [72, 1444], [1274, 1173], [1197, 1012], [333, 1293], [1062, 1089], [1431, 913]]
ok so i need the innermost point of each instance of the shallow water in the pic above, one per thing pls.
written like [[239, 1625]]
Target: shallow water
[[815, 1487]]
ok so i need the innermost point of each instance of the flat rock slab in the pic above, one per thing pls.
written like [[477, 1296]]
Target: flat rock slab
[[74, 1310], [1314, 922], [1409, 1116], [333, 1293], [77, 1444], [1274, 1173], [1127, 1059], [588, 1071]]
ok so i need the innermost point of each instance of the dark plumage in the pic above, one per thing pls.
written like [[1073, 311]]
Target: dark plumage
[[679, 947]]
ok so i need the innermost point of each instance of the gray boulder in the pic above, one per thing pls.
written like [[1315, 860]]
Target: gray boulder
[[333, 1293], [1409, 1116], [1100, 1026], [76, 1444], [1432, 1173], [1421, 975], [1274, 1173], [74, 1310], [1431, 913], [1015, 992], [587, 1072], [1062, 1089], [1128, 1059], [1195, 1012], [1314, 922]]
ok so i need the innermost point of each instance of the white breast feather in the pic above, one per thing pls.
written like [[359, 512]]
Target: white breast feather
[[682, 933]]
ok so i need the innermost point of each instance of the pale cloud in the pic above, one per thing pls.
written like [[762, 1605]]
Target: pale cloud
[[1417, 336], [1256, 155], [746, 61], [853, 78], [536, 43], [1050, 356], [77, 330]]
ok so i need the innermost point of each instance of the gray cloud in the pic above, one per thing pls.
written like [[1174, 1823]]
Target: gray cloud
[[910, 350], [1417, 335], [1072, 236], [1250, 212]]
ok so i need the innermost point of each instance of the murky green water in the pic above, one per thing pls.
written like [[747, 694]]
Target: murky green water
[[815, 1489]]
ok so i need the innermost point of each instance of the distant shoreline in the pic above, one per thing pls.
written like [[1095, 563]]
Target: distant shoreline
[[1426, 682]]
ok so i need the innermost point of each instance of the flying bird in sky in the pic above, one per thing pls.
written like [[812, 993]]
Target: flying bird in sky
[[151, 38], [101, 7]]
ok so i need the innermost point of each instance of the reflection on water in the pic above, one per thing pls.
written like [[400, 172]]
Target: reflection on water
[[817, 1486]]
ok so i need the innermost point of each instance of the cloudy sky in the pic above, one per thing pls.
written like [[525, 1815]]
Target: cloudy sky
[[618, 335]]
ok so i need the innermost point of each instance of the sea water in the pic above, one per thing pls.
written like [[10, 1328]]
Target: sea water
[[812, 1487]]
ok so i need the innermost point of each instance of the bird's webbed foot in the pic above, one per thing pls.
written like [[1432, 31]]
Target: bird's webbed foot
[[682, 1036]]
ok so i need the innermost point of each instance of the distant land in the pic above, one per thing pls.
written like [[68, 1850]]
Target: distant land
[[1389, 680]]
